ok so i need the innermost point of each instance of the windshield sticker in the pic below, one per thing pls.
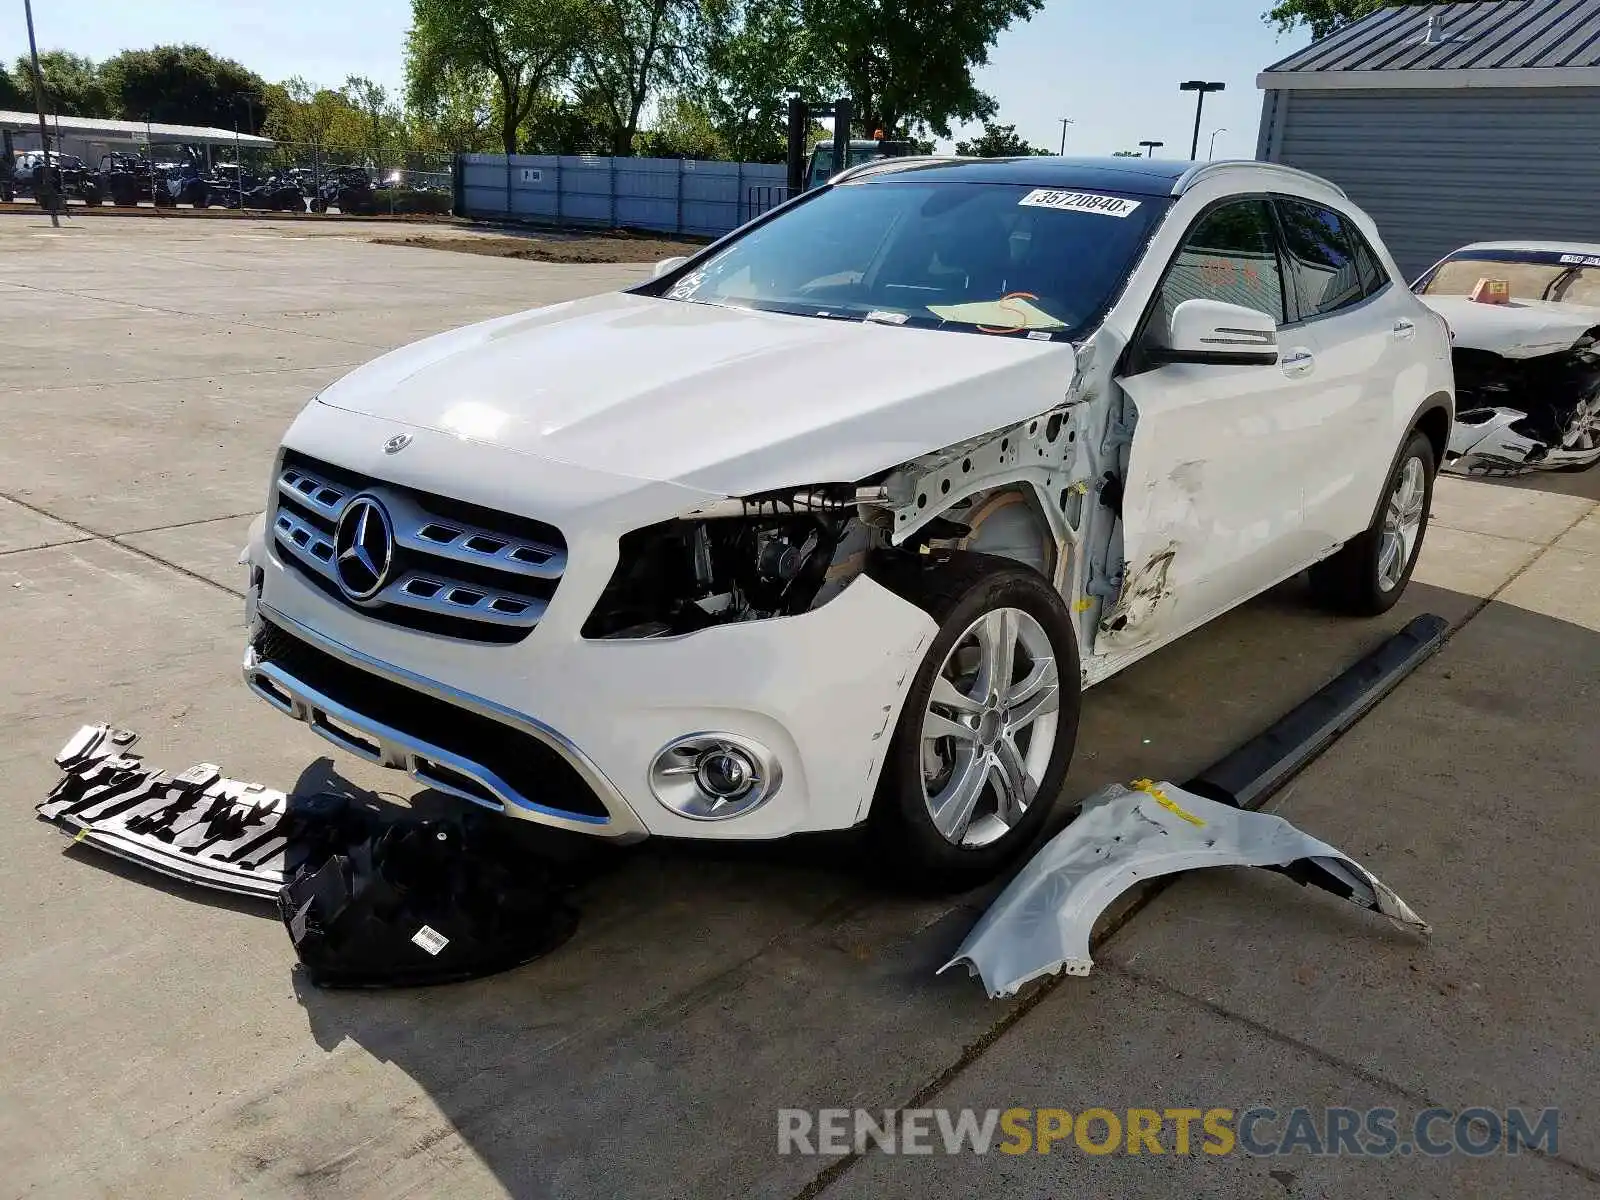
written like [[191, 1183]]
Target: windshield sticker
[[880, 317], [1009, 314], [1105, 206]]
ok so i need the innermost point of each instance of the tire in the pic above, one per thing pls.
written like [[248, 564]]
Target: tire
[[973, 597], [1362, 579]]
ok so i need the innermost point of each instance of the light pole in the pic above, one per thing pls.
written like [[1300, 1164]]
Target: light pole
[[1212, 153], [1200, 87], [47, 184], [1150, 148], [1065, 121]]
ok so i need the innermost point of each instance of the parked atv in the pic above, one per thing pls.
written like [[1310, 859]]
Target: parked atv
[[278, 193], [349, 189]]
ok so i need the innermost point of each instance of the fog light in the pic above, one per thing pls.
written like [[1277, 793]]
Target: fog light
[[714, 776]]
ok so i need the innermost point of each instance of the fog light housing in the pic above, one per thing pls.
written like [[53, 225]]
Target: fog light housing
[[714, 776]]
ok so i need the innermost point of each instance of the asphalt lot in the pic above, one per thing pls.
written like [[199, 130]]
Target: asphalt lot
[[160, 1042]]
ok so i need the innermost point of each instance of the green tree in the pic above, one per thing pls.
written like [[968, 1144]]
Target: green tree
[[1323, 17], [997, 141], [73, 85], [630, 49], [525, 47], [682, 129], [384, 125], [750, 57], [13, 97], [460, 117], [181, 85], [909, 63], [300, 112], [575, 124]]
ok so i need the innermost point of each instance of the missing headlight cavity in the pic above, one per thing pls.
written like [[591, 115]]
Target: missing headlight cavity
[[770, 560]]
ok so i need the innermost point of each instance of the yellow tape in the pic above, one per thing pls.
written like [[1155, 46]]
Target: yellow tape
[[82, 833], [1166, 801], [1083, 605]]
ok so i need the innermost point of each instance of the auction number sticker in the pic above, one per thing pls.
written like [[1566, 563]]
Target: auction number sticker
[[430, 939], [1089, 202]]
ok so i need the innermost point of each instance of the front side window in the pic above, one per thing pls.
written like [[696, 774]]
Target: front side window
[[1231, 255], [1321, 262], [1570, 277], [974, 257]]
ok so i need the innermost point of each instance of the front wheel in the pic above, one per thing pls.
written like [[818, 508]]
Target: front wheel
[[1369, 575], [989, 724]]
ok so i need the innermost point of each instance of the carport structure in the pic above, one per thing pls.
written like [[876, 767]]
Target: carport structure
[[1450, 123], [90, 137]]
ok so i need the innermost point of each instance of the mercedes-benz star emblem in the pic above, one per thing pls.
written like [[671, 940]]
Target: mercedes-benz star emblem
[[397, 443], [363, 546]]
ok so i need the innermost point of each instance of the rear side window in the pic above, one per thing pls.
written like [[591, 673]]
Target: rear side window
[[1230, 255], [1322, 263]]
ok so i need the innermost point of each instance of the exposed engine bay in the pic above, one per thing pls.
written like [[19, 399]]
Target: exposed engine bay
[[1526, 414]]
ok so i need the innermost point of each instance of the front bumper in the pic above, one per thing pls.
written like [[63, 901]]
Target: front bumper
[[563, 731]]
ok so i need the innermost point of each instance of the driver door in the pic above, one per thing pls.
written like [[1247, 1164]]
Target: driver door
[[1212, 504]]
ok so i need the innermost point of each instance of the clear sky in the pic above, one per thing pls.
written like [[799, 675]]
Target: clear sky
[[1114, 68]]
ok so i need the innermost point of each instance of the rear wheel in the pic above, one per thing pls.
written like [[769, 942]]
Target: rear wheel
[[989, 724], [1369, 575]]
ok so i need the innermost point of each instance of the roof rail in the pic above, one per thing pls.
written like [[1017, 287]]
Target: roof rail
[[884, 165], [1202, 171]]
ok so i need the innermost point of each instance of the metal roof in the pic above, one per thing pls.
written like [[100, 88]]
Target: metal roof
[[106, 130], [1526, 36]]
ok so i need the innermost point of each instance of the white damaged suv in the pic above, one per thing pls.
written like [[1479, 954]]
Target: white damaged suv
[[831, 523]]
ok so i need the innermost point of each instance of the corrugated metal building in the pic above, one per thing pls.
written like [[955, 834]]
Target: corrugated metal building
[[1450, 123]]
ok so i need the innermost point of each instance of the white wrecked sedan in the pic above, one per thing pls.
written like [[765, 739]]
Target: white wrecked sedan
[[1526, 323], [829, 524]]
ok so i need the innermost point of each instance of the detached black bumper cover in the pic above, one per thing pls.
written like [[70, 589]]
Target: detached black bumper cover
[[371, 898]]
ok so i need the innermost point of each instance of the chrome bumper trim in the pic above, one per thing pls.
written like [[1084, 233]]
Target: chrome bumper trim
[[379, 743]]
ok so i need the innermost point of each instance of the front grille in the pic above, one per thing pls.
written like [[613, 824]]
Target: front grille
[[528, 765], [457, 569]]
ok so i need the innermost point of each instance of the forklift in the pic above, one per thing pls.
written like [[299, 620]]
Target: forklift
[[809, 170]]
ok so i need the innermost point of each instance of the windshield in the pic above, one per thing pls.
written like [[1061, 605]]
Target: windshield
[[986, 258], [1532, 275]]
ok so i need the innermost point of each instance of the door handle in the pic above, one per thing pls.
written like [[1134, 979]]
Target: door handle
[[1298, 362], [1404, 330]]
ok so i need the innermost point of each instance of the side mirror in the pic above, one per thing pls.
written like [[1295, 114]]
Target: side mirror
[[1217, 333], [668, 265]]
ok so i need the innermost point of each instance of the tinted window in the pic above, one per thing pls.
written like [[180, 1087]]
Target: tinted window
[[1321, 263], [1231, 255], [1374, 275], [989, 258]]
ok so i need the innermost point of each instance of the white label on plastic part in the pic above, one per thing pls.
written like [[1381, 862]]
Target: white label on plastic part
[[1089, 202], [886, 318], [1580, 260], [430, 939]]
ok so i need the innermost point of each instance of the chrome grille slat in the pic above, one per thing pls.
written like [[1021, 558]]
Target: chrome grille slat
[[441, 601], [463, 572]]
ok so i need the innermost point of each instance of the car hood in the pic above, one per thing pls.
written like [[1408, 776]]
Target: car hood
[[1521, 329], [731, 401]]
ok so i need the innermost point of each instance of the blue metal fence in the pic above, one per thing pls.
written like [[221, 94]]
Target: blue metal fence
[[668, 195]]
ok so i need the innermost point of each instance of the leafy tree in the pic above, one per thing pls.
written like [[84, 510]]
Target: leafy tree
[[682, 129], [382, 117], [73, 85], [1323, 17], [460, 117], [629, 49], [751, 56], [300, 112], [524, 47], [181, 85], [579, 124], [13, 97], [997, 141], [909, 63]]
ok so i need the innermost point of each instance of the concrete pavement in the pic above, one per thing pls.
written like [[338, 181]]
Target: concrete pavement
[[160, 1042]]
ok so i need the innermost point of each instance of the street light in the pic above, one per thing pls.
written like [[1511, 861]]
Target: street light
[[1200, 87], [1065, 121], [1212, 153], [1150, 148]]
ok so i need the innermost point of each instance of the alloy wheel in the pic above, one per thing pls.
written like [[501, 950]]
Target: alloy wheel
[[989, 727], [1402, 524]]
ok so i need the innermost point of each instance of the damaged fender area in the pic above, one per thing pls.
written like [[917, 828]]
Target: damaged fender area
[[1519, 414], [1129, 834]]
